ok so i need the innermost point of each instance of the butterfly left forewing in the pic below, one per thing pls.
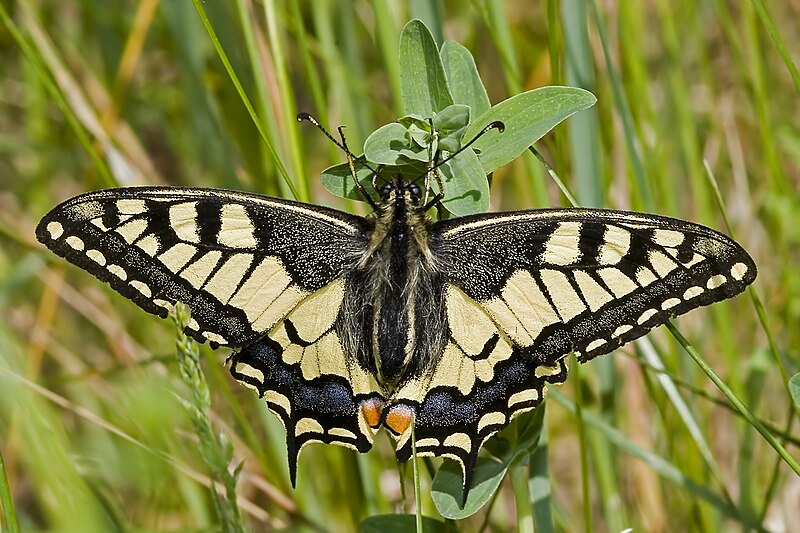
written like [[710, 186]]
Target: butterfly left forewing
[[239, 261]]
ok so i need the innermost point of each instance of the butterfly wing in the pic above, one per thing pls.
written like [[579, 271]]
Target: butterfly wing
[[240, 261], [258, 273], [300, 369], [526, 288]]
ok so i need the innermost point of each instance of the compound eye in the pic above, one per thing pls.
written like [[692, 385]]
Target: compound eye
[[385, 190], [416, 192]]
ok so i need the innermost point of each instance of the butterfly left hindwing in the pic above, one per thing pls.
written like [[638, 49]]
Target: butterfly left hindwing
[[300, 368]]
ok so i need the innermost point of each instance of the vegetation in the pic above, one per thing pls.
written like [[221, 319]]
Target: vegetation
[[104, 428]]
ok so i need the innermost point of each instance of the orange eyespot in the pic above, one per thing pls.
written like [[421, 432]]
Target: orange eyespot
[[399, 418], [371, 410]]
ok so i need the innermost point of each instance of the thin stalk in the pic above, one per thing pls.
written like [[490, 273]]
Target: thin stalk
[[198, 4], [754, 297], [752, 420], [522, 496], [417, 492], [772, 31], [288, 107], [587, 497], [245, 13], [100, 165], [621, 102]]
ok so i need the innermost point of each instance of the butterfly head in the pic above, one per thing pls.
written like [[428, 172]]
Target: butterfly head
[[399, 190]]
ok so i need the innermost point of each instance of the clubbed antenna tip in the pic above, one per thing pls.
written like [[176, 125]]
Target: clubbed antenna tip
[[305, 116], [496, 125]]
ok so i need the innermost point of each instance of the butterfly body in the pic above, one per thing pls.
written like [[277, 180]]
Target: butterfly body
[[396, 294], [345, 324]]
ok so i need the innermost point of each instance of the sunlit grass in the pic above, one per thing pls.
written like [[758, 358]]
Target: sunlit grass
[[94, 437]]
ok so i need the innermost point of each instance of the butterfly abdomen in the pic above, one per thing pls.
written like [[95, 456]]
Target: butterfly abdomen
[[394, 298]]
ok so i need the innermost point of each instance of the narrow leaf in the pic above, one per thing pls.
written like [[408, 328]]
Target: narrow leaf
[[462, 78], [527, 117], [422, 78]]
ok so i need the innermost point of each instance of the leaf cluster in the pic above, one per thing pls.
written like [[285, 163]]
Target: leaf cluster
[[446, 106]]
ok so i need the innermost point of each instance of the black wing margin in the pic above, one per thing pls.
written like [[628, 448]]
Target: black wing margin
[[240, 261]]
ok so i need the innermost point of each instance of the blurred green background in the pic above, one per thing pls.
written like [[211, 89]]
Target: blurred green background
[[96, 94]]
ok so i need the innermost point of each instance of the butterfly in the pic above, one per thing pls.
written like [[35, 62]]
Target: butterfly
[[345, 324]]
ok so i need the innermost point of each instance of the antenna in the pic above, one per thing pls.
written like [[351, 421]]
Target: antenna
[[496, 125], [351, 157]]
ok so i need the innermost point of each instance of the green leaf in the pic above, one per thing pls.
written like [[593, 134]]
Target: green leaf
[[452, 118], [462, 78], [392, 144], [527, 117], [338, 181], [446, 490], [794, 388], [450, 125], [422, 78], [401, 523], [466, 189]]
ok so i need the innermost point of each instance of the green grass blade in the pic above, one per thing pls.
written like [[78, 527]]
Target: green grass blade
[[387, 34], [262, 102], [752, 420], [6, 502], [684, 411], [30, 53], [663, 467], [775, 36], [584, 136], [245, 100], [642, 184], [288, 109]]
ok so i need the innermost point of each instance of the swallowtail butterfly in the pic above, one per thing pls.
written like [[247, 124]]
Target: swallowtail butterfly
[[345, 324]]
